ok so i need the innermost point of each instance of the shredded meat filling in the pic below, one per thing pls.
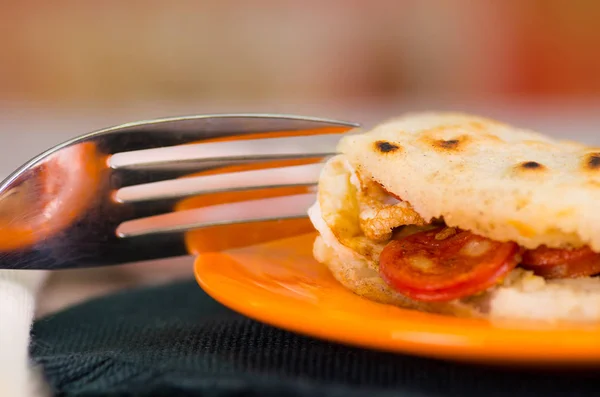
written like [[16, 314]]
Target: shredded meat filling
[[381, 213]]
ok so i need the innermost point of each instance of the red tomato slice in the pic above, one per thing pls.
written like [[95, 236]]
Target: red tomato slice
[[562, 263], [427, 268]]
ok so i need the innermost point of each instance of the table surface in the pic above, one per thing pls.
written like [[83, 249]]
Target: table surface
[[26, 130]]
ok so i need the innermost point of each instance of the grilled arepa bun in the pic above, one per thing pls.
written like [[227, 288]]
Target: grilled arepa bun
[[438, 192]]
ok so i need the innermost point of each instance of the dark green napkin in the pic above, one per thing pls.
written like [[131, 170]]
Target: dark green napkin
[[174, 340]]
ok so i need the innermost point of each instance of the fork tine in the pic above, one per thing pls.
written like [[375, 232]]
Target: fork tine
[[299, 175], [275, 208], [230, 151], [181, 130]]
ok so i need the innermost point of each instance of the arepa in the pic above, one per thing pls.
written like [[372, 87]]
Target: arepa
[[506, 184]]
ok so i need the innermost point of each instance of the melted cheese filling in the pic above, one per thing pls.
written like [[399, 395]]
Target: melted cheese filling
[[316, 217]]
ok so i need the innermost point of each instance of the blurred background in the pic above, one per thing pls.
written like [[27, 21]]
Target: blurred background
[[80, 65], [111, 52], [69, 67]]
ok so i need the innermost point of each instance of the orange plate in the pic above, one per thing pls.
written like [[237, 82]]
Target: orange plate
[[279, 283]]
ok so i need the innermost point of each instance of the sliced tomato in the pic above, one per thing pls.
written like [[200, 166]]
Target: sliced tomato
[[435, 265], [562, 263]]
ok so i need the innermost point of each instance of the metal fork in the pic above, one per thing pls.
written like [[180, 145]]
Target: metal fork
[[109, 197]]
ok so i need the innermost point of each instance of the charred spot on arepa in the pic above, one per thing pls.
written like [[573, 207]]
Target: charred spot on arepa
[[528, 169], [531, 165], [450, 145], [444, 136], [386, 147], [592, 161]]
